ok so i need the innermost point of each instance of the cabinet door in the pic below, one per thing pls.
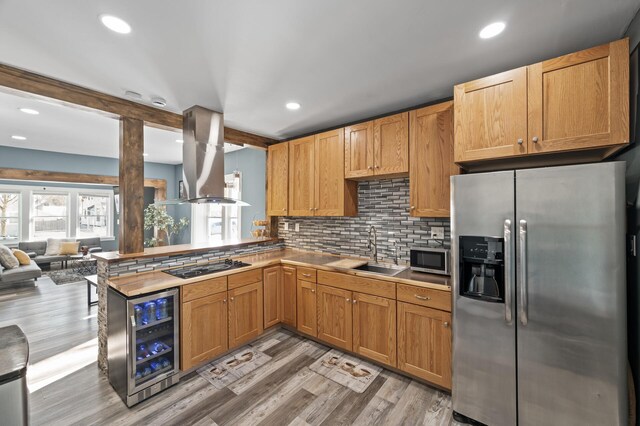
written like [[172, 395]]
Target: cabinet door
[[307, 319], [245, 313], [580, 100], [374, 328], [289, 295], [329, 157], [301, 176], [335, 316], [491, 117], [272, 281], [278, 180], [358, 150], [203, 333], [431, 161], [391, 145], [424, 343]]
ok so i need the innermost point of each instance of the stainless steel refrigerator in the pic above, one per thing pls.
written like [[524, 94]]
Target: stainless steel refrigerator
[[539, 315]]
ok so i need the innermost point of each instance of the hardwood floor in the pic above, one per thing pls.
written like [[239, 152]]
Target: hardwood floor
[[67, 388]]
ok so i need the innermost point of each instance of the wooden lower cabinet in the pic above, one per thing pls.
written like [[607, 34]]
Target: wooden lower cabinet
[[424, 343], [307, 320], [203, 331], [335, 317], [245, 313], [374, 328], [289, 295], [272, 280]]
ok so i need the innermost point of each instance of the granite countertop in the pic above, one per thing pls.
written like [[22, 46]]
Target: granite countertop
[[14, 353], [147, 282]]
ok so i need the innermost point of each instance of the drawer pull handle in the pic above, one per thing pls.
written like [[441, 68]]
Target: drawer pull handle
[[422, 297], [306, 275]]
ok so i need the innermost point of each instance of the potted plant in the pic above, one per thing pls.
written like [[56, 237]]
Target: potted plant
[[156, 217]]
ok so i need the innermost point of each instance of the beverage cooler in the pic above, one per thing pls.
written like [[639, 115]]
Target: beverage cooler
[[142, 344]]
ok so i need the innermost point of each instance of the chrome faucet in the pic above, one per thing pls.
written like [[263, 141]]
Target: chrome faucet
[[373, 243], [396, 252]]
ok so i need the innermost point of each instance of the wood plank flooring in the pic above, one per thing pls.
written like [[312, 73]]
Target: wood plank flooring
[[70, 390]]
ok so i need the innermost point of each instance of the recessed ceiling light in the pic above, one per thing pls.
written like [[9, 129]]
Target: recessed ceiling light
[[179, 141], [29, 111], [133, 95], [158, 101], [293, 106], [145, 155], [492, 30], [18, 138], [115, 24]]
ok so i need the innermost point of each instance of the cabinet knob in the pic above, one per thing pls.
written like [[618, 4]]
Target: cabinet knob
[[520, 141], [232, 299], [348, 300], [311, 209], [413, 207], [377, 167], [313, 291], [224, 301], [535, 139], [446, 324], [370, 167], [284, 210], [355, 301]]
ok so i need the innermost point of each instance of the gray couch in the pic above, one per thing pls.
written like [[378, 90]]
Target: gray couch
[[36, 250], [21, 273]]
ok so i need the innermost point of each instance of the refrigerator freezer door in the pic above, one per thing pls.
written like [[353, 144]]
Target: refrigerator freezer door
[[572, 325], [484, 345]]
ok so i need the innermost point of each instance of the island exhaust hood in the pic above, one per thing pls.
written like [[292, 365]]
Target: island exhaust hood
[[203, 157]]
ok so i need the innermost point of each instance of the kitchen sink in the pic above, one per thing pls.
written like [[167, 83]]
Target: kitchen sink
[[377, 268]]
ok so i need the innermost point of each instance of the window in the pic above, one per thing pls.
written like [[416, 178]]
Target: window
[[93, 216], [221, 222], [50, 216], [9, 216]]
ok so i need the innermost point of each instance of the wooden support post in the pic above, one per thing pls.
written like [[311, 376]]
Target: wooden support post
[[131, 183]]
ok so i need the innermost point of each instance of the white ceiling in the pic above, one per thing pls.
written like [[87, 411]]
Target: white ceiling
[[342, 60]]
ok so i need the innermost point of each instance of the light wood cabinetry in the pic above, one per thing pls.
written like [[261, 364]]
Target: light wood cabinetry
[[577, 103], [302, 176], [273, 298], [245, 313], [424, 343], [428, 297], [289, 295], [374, 327], [335, 318], [378, 148], [306, 309], [431, 160], [278, 180], [203, 329]]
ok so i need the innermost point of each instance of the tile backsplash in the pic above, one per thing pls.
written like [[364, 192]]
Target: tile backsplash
[[381, 203]]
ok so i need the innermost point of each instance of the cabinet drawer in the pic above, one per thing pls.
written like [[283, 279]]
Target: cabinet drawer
[[203, 288], [425, 296], [359, 284], [244, 278], [306, 274]]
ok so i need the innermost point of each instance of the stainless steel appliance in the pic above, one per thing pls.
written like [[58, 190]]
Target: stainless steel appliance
[[430, 259], [209, 268], [539, 317], [143, 343], [14, 359]]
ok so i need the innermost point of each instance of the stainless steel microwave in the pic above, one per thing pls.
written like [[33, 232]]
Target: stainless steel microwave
[[431, 260]]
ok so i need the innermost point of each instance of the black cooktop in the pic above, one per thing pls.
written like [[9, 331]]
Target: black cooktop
[[209, 268]]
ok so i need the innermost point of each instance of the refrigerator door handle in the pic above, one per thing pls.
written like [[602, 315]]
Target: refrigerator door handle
[[508, 316], [522, 267]]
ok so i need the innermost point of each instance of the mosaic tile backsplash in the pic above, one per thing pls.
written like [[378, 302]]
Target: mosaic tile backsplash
[[381, 203]]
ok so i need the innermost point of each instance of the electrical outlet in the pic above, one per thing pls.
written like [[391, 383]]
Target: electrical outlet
[[286, 226], [437, 233], [297, 227]]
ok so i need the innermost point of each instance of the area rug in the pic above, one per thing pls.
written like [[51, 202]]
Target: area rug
[[346, 370], [234, 366], [64, 276]]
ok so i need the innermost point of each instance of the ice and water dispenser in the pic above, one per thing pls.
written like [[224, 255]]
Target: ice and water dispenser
[[481, 268]]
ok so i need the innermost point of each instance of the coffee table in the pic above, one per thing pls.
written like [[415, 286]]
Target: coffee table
[[83, 265]]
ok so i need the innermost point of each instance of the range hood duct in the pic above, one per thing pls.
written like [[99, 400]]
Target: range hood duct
[[203, 157]]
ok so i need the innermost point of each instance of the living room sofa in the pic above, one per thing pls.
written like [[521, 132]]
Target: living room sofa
[[37, 249], [21, 273]]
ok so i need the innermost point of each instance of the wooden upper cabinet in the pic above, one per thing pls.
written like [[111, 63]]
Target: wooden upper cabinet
[[391, 145], [302, 176], [272, 281], [358, 150], [306, 310], [431, 160], [335, 316], [580, 100], [424, 343], [491, 117], [203, 333], [374, 328], [289, 295], [329, 179], [245, 313], [278, 180]]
